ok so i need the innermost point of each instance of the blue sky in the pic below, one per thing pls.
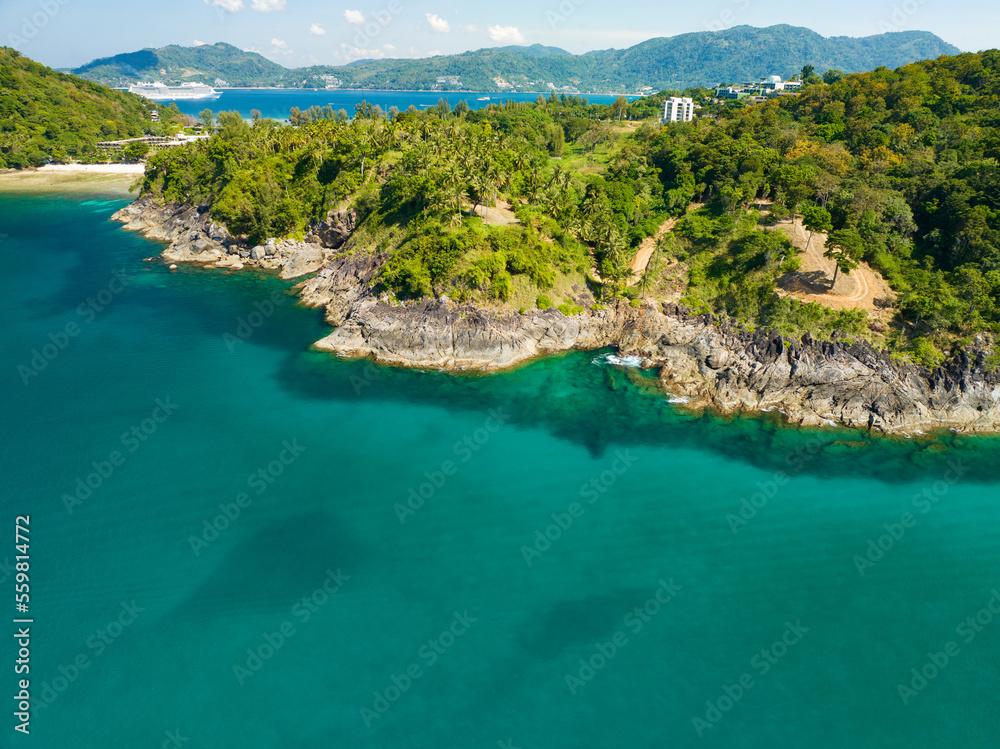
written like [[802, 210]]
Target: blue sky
[[67, 33]]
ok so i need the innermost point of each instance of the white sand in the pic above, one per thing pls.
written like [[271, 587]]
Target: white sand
[[95, 168]]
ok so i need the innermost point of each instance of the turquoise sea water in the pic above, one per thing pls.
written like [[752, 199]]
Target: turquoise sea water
[[434, 630], [276, 103]]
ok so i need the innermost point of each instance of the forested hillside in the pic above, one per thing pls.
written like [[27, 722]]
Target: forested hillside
[[703, 58], [899, 168], [45, 115], [176, 65]]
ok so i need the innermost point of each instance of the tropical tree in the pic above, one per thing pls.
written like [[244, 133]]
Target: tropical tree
[[845, 248], [816, 219]]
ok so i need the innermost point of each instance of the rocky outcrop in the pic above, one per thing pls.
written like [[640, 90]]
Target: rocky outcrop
[[708, 362], [441, 335], [717, 365], [195, 238]]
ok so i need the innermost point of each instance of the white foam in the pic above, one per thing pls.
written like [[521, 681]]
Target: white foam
[[619, 361]]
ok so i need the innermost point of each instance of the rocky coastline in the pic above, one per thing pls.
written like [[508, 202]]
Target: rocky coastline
[[706, 361]]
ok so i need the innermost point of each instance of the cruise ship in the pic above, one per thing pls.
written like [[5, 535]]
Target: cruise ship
[[186, 91]]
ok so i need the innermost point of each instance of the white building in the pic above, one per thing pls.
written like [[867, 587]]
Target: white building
[[676, 109]]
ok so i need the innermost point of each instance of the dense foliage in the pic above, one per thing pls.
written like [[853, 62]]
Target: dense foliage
[[427, 187], [45, 115], [697, 59], [176, 65], [898, 167], [904, 164]]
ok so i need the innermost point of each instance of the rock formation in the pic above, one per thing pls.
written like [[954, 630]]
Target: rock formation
[[709, 361]]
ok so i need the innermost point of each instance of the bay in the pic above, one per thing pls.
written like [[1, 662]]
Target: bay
[[276, 103], [290, 550]]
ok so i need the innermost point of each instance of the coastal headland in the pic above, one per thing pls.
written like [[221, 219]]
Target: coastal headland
[[704, 361]]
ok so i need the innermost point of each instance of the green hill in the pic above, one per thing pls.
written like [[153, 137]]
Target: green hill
[[46, 115], [899, 168], [176, 64], [697, 59]]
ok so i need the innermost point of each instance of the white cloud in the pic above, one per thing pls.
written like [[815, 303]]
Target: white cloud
[[317, 30], [472, 28], [434, 53], [231, 5], [437, 23], [280, 43], [199, 43], [354, 16], [266, 6], [508, 34], [389, 47]]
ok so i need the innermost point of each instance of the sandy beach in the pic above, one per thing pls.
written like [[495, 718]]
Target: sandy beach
[[82, 178]]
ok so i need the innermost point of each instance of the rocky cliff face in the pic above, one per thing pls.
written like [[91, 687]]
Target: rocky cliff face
[[707, 361], [195, 238]]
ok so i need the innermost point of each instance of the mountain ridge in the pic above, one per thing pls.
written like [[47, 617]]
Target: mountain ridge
[[702, 58]]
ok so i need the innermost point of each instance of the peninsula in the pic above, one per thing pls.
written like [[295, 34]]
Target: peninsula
[[830, 253]]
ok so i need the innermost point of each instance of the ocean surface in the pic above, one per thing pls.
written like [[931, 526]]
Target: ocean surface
[[236, 541], [276, 103]]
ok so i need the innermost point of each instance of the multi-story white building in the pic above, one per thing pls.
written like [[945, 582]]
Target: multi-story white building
[[676, 109]]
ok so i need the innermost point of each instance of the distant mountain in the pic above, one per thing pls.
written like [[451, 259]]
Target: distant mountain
[[702, 58], [176, 64]]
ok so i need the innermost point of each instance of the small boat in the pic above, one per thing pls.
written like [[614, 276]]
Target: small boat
[[483, 98]]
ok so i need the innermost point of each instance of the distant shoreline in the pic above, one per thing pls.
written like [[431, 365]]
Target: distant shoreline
[[407, 91], [73, 178]]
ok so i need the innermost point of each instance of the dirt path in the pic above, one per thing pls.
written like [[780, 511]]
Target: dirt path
[[863, 288], [498, 215], [648, 246]]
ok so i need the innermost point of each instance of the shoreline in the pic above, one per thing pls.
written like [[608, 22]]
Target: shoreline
[[630, 97], [116, 179], [713, 362]]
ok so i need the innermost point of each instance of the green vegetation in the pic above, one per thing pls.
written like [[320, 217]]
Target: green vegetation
[[687, 60], [49, 116], [202, 64], [900, 167]]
